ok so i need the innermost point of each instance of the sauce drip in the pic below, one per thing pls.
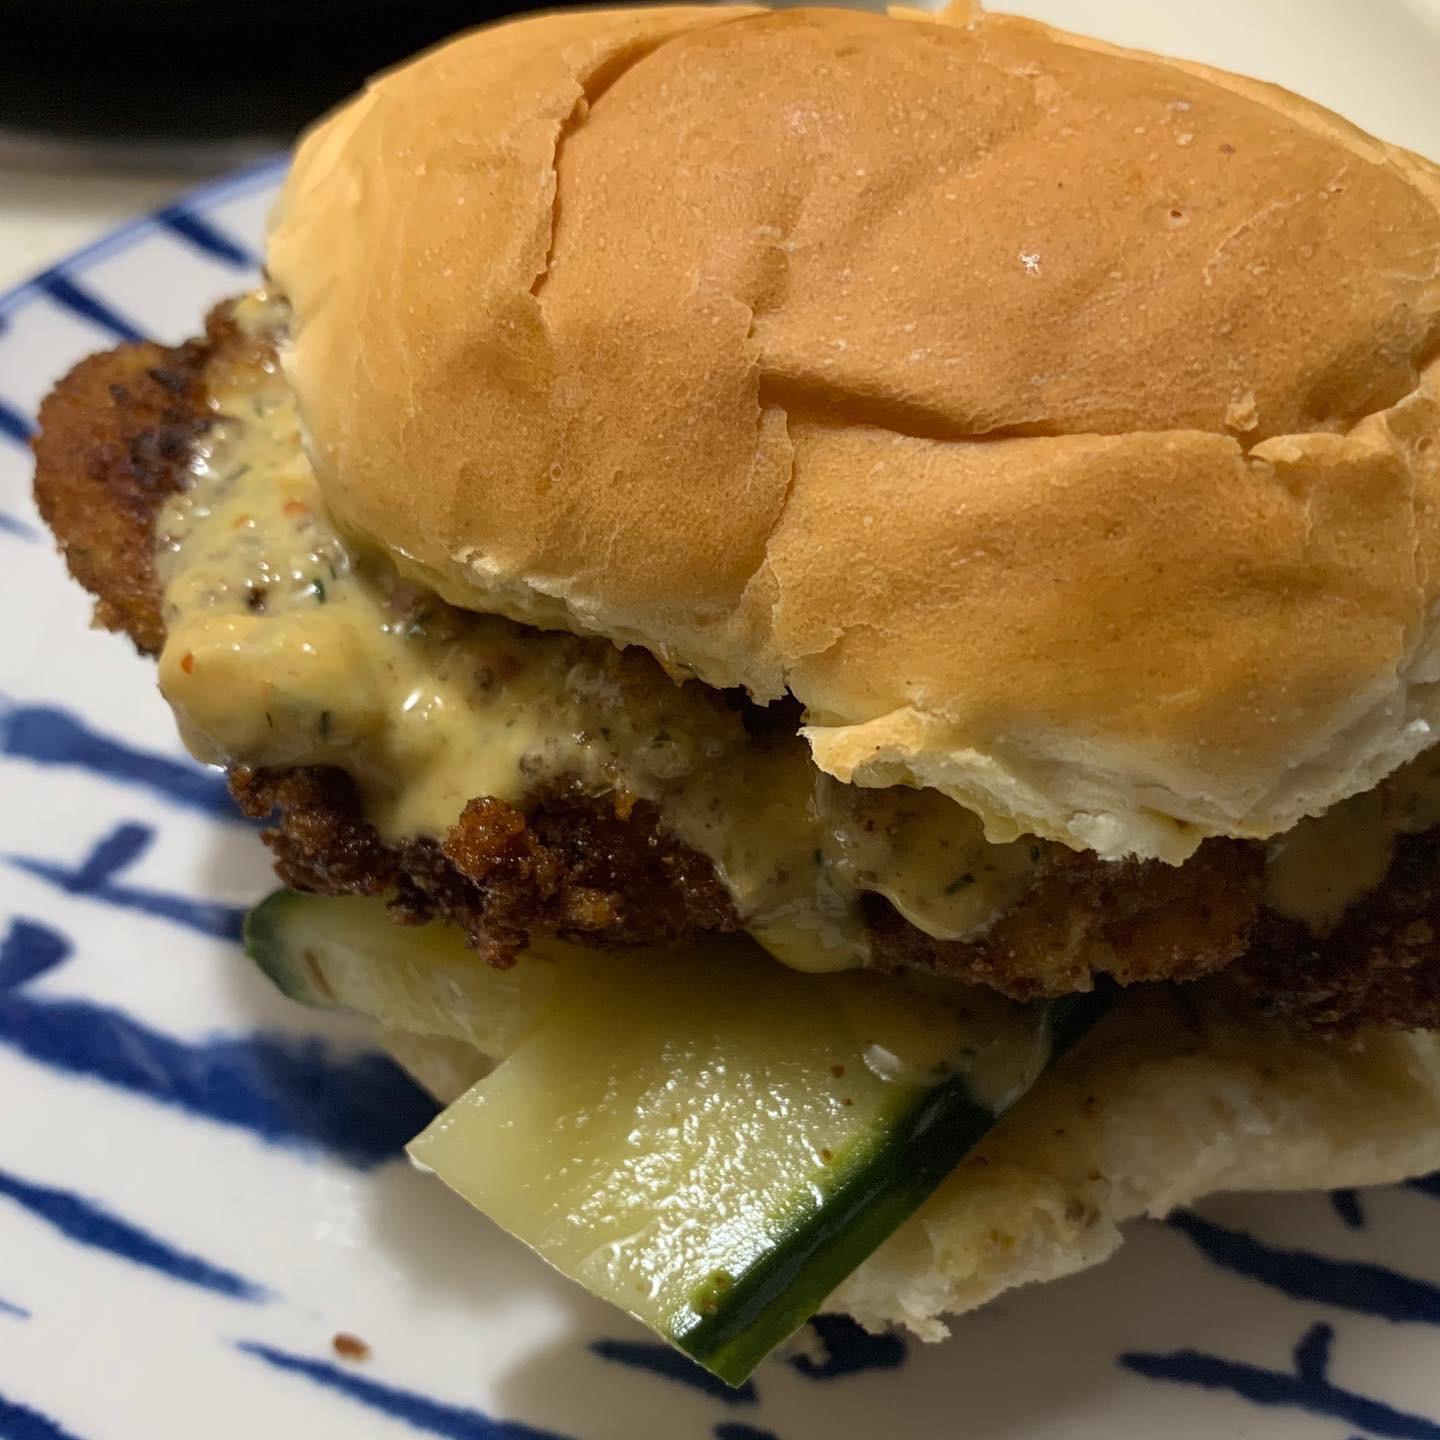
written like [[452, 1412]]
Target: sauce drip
[[1316, 871]]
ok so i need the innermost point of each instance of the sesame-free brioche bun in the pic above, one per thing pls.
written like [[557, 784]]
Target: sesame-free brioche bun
[[1055, 421]]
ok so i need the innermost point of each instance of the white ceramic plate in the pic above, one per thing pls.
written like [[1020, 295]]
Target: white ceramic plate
[[200, 1185]]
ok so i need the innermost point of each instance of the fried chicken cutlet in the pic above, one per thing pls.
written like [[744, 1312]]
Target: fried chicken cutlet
[[584, 857]]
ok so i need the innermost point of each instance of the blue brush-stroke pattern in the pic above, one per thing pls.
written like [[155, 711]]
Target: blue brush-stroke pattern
[[29, 951], [15, 1312], [729, 1430], [70, 295], [406, 1406], [1348, 1206], [254, 177], [292, 1091], [9, 525], [86, 1223], [670, 1364], [201, 235], [113, 853], [849, 1350], [15, 424], [48, 735], [20, 1422], [1350, 1284], [1426, 1185], [1308, 1388]]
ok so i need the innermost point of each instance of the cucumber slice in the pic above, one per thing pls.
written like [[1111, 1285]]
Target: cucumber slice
[[711, 1141], [346, 953]]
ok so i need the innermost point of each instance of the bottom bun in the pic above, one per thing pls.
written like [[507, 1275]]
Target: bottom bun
[[1166, 1102]]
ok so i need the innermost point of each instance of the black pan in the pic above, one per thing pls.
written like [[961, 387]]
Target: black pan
[[198, 70]]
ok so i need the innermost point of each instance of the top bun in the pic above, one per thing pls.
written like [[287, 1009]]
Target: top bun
[[1056, 422]]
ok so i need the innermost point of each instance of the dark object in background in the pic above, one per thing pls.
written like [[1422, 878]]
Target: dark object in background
[[192, 71]]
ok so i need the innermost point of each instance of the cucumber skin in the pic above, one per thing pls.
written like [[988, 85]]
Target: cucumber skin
[[262, 937], [266, 944], [778, 1294]]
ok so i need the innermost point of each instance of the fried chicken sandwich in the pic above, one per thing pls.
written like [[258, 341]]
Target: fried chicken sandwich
[[835, 617]]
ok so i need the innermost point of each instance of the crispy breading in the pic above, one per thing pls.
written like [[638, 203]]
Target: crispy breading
[[1380, 964], [1134, 921], [116, 435], [569, 866], [585, 868]]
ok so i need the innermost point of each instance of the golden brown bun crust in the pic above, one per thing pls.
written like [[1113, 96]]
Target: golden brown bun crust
[[1055, 421]]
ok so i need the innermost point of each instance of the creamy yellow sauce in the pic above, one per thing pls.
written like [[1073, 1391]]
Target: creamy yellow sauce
[[918, 1029], [1316, 871], [286, 646]]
